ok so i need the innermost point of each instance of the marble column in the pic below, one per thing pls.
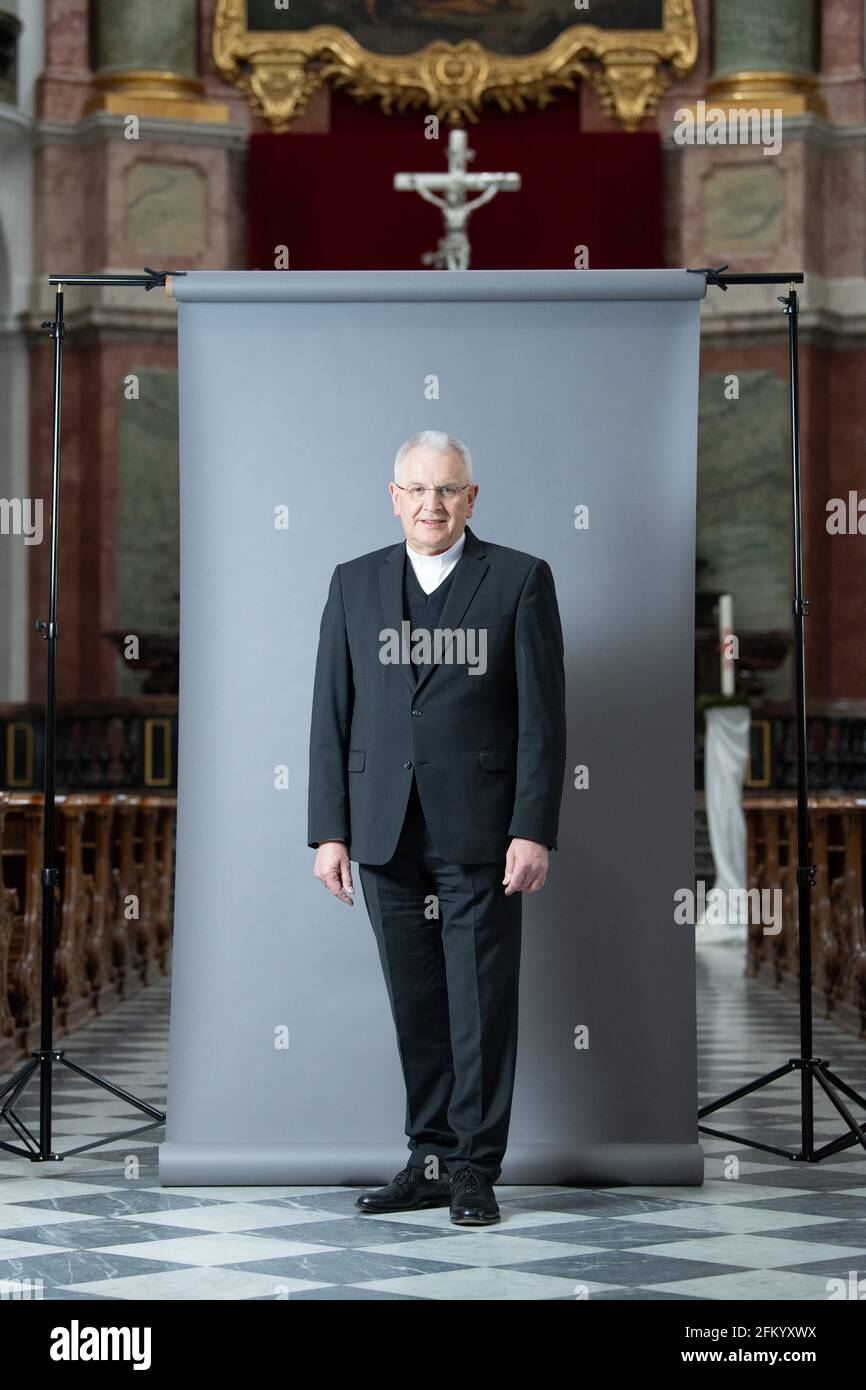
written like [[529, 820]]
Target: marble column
[[765, 54], [145, 53]]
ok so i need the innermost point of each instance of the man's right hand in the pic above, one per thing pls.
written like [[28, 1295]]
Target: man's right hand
[[332, 868]]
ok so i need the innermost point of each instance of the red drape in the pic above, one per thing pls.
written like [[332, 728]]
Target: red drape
[[330, 199]]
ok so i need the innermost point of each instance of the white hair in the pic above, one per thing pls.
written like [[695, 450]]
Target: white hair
[[434, 439]]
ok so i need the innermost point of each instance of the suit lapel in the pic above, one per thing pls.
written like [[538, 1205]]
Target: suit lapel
[[391, 591]]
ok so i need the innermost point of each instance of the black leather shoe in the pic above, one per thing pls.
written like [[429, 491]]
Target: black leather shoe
[[408, 1191], [473, 1202]]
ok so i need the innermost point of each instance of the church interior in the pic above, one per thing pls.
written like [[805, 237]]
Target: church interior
[[172, 136]]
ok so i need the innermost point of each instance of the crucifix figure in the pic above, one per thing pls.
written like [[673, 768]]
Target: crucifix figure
[[452, 251]]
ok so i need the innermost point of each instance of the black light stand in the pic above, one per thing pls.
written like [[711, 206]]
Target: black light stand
[[43, 1059], [810, 1068]]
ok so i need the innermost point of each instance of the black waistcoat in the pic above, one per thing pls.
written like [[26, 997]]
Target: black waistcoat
[[423, 610]]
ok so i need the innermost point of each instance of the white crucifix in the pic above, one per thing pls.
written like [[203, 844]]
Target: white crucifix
[[453, 250]]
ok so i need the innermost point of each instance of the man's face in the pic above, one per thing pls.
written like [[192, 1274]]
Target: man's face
[[432, 523]]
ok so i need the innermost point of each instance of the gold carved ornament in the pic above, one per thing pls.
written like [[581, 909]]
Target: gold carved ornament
[[630, 69]]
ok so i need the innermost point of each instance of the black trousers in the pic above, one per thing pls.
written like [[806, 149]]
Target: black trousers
[[449, 944]]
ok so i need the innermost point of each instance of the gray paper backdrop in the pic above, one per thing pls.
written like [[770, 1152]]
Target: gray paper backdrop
[[570, 388]]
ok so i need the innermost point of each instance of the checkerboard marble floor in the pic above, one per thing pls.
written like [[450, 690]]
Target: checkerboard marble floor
[[92, 1229]]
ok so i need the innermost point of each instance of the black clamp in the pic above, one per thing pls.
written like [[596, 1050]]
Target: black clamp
[[159, 277], [807, 876], [713, 276]]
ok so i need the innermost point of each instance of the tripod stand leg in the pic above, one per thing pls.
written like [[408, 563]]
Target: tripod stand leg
[[113, 1138], [748, 1143], [745, 1090], [838, 1082], [857, 1130], [18, 1082], [18, 1127], [16, 1085], [157, 1115]]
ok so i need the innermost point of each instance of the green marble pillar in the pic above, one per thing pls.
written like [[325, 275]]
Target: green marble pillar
[[146, 54], [765, 51], [146, 36]]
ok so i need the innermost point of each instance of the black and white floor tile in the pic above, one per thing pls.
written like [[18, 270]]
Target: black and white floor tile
[[91, 1229]]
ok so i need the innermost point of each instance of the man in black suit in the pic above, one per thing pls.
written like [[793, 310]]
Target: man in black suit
[[437, 755]]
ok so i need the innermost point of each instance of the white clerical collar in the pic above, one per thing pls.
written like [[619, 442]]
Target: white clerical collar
[[433, 563], [430, 570]]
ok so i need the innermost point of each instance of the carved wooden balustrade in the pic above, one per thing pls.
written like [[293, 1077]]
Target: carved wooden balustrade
[[113, 908], [838, 911]]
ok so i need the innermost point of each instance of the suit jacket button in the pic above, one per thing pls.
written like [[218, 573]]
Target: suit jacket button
[[417, 713], [407, 764]]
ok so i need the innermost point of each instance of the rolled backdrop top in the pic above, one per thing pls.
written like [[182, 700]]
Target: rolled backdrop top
[[310, 286]]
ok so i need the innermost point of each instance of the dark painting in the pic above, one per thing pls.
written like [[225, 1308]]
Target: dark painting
[[508, 27]]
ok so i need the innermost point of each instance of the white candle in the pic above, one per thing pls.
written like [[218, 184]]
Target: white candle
[[726, 630]]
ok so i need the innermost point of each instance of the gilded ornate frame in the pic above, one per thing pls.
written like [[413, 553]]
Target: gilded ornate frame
[[278, 71]]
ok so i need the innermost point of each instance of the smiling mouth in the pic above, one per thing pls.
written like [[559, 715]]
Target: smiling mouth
[[431, 523]]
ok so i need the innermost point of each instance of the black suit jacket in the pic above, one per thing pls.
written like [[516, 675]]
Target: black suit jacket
[[488, 750]]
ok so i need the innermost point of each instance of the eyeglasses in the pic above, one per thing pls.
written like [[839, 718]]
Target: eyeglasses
[[447, 491]]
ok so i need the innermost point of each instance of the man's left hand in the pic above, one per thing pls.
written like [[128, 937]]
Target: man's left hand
[[525, 867]]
